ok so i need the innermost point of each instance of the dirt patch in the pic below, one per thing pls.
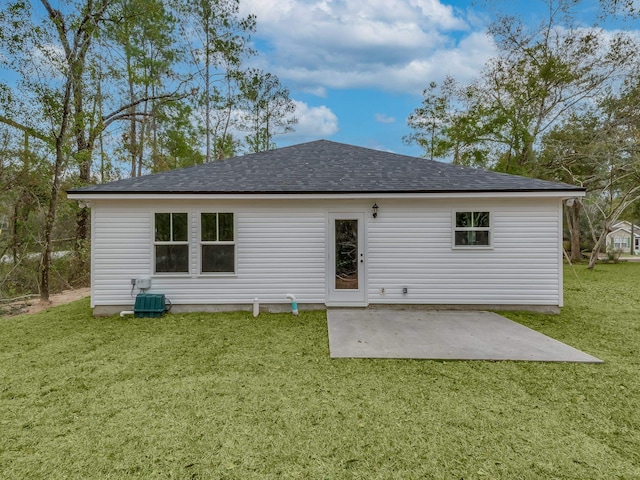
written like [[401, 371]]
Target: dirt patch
[[35, 305]]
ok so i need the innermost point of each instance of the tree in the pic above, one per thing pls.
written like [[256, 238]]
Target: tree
[[21, 168], [431, 121], [568, 156], [600, 150], [54, 86], [221, 40], [53, 90], [620, 139], [626, 8], [539, 78], [266, 109], [74, 69], [178, 143], [226, 146], [148, 45]]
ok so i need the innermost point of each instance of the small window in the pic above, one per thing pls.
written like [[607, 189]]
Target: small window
[[217, 243], [472, 229], [171, 243]]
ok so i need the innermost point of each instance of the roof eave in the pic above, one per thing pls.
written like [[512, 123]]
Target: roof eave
[[153, 195]]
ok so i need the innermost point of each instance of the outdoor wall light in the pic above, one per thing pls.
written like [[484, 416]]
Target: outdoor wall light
[[569, 202], [375, 210]]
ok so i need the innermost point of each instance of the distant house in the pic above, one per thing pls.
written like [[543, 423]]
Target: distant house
[[620, 238], [332, 224]]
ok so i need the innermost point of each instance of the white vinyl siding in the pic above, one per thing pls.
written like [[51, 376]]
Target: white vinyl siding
[[276, 254], [410, 246], [122, 249], [281, 247]]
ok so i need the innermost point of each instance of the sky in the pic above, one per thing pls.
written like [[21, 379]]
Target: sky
[[356, 69]]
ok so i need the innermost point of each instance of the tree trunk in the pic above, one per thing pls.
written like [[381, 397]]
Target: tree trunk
[[207, 91], [132, 126], [20, 207], [50, 220], [82, 218], [596, 250], [140, 143], [154, 131], [223, 153], [572, 215], [101, 158], [84, 154], [602, 240], [15, 237]]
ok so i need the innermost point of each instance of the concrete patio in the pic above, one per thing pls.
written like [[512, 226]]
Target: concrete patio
[[441, 335]]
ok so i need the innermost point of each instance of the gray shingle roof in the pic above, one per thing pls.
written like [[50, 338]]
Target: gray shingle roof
[[325, 167]]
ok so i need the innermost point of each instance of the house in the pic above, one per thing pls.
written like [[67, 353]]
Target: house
[[619, 238], [333, 225]]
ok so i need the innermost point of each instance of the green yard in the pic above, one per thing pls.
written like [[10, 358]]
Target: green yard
[[230, 396]]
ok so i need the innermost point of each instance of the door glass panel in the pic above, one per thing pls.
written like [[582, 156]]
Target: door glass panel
[[346, 254]]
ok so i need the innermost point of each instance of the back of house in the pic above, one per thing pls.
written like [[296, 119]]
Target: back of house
[[331, 225]]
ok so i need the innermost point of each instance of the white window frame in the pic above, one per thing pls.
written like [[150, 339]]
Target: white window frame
[[455, 228], [621, 243], [202, 243], [171, 242]]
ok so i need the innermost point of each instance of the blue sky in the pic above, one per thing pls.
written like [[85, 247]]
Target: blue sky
[[356, 68]]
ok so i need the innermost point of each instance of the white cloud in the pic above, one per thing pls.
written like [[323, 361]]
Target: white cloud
[[384, 118], [317, 91], [396, 45], [313, 123]]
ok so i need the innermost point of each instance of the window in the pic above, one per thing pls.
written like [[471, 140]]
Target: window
[[217, 243], [171, 243], [472, 229], [620, 243]]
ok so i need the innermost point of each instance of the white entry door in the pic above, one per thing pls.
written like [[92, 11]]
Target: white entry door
[[346, 272]]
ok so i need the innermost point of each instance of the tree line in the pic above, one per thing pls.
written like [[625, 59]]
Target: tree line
[[559, 101], [96, 90]]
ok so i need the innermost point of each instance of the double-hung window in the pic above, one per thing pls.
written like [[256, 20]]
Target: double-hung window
[[620, 243], [171, 243], [217, 243], [472, 229]]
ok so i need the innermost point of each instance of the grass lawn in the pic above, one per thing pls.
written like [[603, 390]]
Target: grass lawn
[[230, 396]]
